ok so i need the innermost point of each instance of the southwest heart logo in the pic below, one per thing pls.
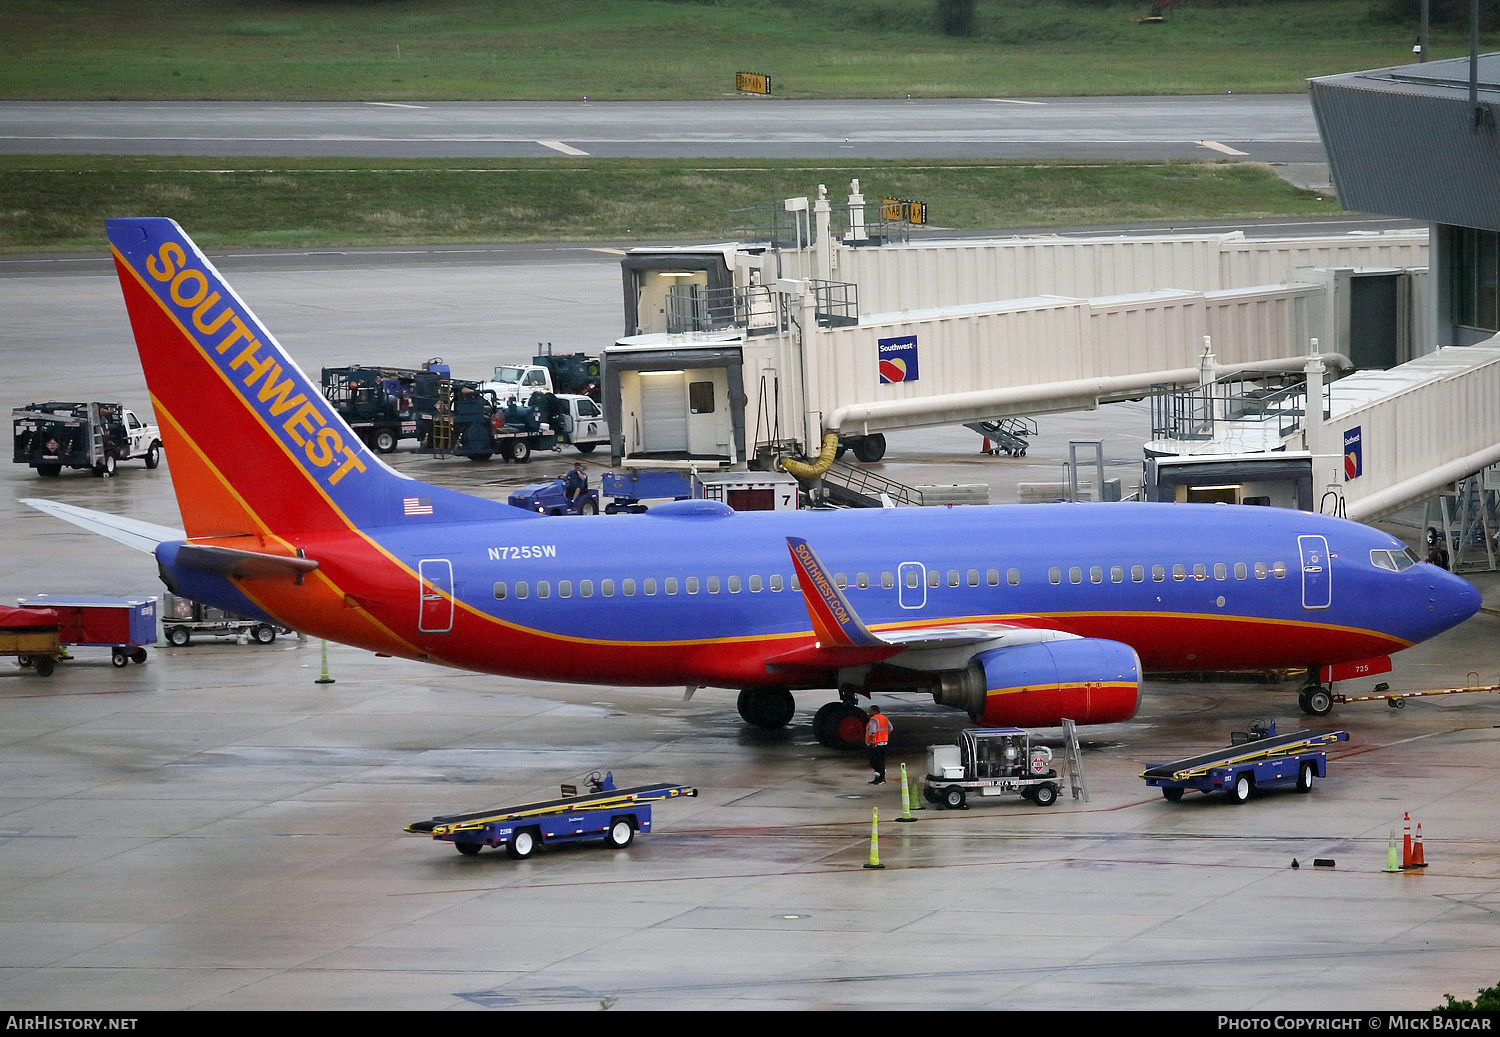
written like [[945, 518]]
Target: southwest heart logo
[[892, 371]]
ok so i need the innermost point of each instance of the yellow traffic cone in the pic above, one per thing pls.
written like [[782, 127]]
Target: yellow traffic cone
[[1391, 862], [905, 798], [874, 842]]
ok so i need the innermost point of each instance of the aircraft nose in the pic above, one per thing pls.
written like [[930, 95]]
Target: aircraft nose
[[1451, 599]]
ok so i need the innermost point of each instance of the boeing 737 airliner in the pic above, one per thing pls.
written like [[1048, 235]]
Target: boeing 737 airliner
[[1017, 615]]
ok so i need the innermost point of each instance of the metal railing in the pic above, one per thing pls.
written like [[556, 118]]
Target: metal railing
[[1199, 413], [692, 307], [869, 485], [835, 302]]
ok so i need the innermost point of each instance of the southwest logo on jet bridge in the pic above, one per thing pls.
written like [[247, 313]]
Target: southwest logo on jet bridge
[[898, 359]]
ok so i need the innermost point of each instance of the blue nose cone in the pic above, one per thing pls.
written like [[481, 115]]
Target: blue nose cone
[[1452, 599]]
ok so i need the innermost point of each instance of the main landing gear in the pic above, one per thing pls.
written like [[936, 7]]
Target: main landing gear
[[768, 708], [840, 725]]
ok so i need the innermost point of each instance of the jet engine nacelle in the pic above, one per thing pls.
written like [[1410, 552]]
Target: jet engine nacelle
[[1086, 680]]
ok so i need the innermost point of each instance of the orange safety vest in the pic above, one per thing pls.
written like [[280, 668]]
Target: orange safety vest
[[878, 730]]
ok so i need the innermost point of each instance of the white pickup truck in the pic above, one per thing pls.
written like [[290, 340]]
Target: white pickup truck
[[93, 436], [583, 423]]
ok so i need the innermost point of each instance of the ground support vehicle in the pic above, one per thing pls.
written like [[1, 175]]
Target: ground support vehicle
[[123, 625], [990, 761], [551, 498], [385, 405], [627, 491], [560, 373], [472, 423], [88, 436], [1258, 759], [182, 618], [604, 813], [577, 420], [31, 636]]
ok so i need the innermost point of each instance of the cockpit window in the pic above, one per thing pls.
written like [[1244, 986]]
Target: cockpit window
[[1404, 559], [1382, 560]]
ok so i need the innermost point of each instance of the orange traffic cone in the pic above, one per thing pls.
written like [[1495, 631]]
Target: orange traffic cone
[[1406, 840], [1416, 850], [986, 448]]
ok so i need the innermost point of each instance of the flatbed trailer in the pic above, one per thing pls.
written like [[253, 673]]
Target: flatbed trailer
[[1260, 760], [607, 815], [123, 625]]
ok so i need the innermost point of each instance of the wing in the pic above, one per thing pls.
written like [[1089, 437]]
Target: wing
[[143, 536]]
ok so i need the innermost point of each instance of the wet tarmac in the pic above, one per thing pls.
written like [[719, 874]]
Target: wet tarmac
[[215, 830]]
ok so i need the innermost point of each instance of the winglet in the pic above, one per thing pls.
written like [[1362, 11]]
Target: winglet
[[833, 618]]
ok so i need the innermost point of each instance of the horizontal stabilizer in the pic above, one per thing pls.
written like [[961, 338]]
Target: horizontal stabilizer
[[143, 536], [229, 561]]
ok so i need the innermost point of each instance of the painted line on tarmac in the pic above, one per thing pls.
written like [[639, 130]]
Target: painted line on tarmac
[[557, 145], [1216, 146]]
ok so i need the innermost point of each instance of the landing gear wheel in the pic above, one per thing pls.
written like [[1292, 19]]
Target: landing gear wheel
[[385, 441], [870, 449], [1240, 791], [518, 450], [847, 728], [522, 844], [1172, 795], [153, 455], [45, 665], [823, 724], [138, 656], [620, 833], [263, 634], [119, 658], [468, 849], [1045, 795], [955, 799], [1305, 778], [1315, 700], [768, 708], [178, 636]]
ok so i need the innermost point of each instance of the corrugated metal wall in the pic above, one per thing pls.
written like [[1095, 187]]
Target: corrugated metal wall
[[893, 278]]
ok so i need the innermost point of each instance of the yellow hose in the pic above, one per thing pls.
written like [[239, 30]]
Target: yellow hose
[[808, 472]]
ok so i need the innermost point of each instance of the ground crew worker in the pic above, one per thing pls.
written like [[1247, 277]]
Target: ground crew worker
[[877, 737], [576, 482]]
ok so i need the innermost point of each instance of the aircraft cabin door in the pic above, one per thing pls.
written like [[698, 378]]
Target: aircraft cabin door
[[1317, 589], [435, 588], [911, 582]]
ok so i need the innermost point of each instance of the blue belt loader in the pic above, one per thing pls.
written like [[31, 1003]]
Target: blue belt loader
[[1258, 759], [604, 814]]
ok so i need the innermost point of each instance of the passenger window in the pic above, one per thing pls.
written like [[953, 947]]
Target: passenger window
[[586, 588], [543, 589], [755, 585], [840, 580], [692, 585], [934, 578], [911, 577], [776, 582], [1158, 574], [1179, 573], [953, 577], [1096, 575], [627, 587], [796, 586], [1013, 577], [713, 585], [1260, 570], [1239, 570], [973, 577], [1054, 575], [500, 591], [648, 585], [992, 577], [521, 589], [671, 585], [1116, 574], [1220, 572], [1279, 569], [564, 588], [734, 585], [887, 580], [1137, 574], [862, 581], [1075, 575], [1200, 572], [607, 588]]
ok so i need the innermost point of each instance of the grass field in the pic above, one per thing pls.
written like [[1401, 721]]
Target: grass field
[[60, 203], [611, 49]]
